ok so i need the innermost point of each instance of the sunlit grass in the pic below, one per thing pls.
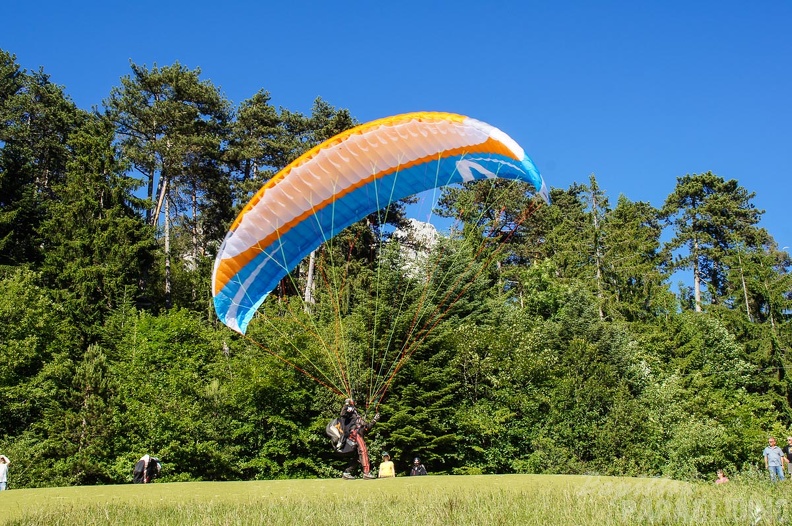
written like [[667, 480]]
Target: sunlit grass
[[433, 500]]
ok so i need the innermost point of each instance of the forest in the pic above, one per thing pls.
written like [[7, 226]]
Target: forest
[[596, 335]]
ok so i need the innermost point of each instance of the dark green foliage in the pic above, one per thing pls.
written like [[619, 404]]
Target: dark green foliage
[[35, 333], [36, 119], [172, 127], [711, 217], [529, 340], [96, 246]]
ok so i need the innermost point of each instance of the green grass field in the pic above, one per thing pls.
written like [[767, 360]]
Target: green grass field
[[433, 500]]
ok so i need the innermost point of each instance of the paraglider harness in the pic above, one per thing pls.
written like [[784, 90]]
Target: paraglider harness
[[346, 443], [346, 433], [335, 430]]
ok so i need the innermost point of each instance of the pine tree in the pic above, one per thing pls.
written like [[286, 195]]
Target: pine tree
[[96, 245], [709, 216], [172, 128], [36, 119], [633, 272]]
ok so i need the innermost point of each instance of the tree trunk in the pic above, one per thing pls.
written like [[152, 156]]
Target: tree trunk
[[597, 255], [309, 282], [196, 250], [161, 199], [696, 277], [168, 299], [194, 232], [745, 289]]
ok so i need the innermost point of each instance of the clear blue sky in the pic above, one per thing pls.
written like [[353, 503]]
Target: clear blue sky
[[636, 92]]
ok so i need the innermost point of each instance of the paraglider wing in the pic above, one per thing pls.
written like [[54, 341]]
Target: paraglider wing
[[343, 180]]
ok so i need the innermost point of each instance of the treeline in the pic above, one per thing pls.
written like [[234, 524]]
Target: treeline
[[569, 353]]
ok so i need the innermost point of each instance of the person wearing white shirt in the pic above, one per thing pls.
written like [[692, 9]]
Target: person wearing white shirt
[[4, 462]]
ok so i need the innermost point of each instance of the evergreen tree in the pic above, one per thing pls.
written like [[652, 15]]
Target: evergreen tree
[[256, 147], [172, 126], [634, 272], [36, 119], [97, 246], [709, 216], [599, 208], [82, 439], [558, 232]]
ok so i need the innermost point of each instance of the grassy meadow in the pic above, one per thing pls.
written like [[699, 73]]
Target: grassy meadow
[[433, 500]]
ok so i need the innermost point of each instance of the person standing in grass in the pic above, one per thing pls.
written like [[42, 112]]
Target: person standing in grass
[[722, 478], [774, 460], [355, 427], [417, 468], [4, 462], [787, 449], [386, 469]]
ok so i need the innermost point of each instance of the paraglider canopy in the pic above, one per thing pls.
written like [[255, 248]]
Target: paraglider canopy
[[342, 181]]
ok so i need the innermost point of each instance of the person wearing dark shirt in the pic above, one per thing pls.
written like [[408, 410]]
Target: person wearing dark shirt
[[354, 428], [417, 468]]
